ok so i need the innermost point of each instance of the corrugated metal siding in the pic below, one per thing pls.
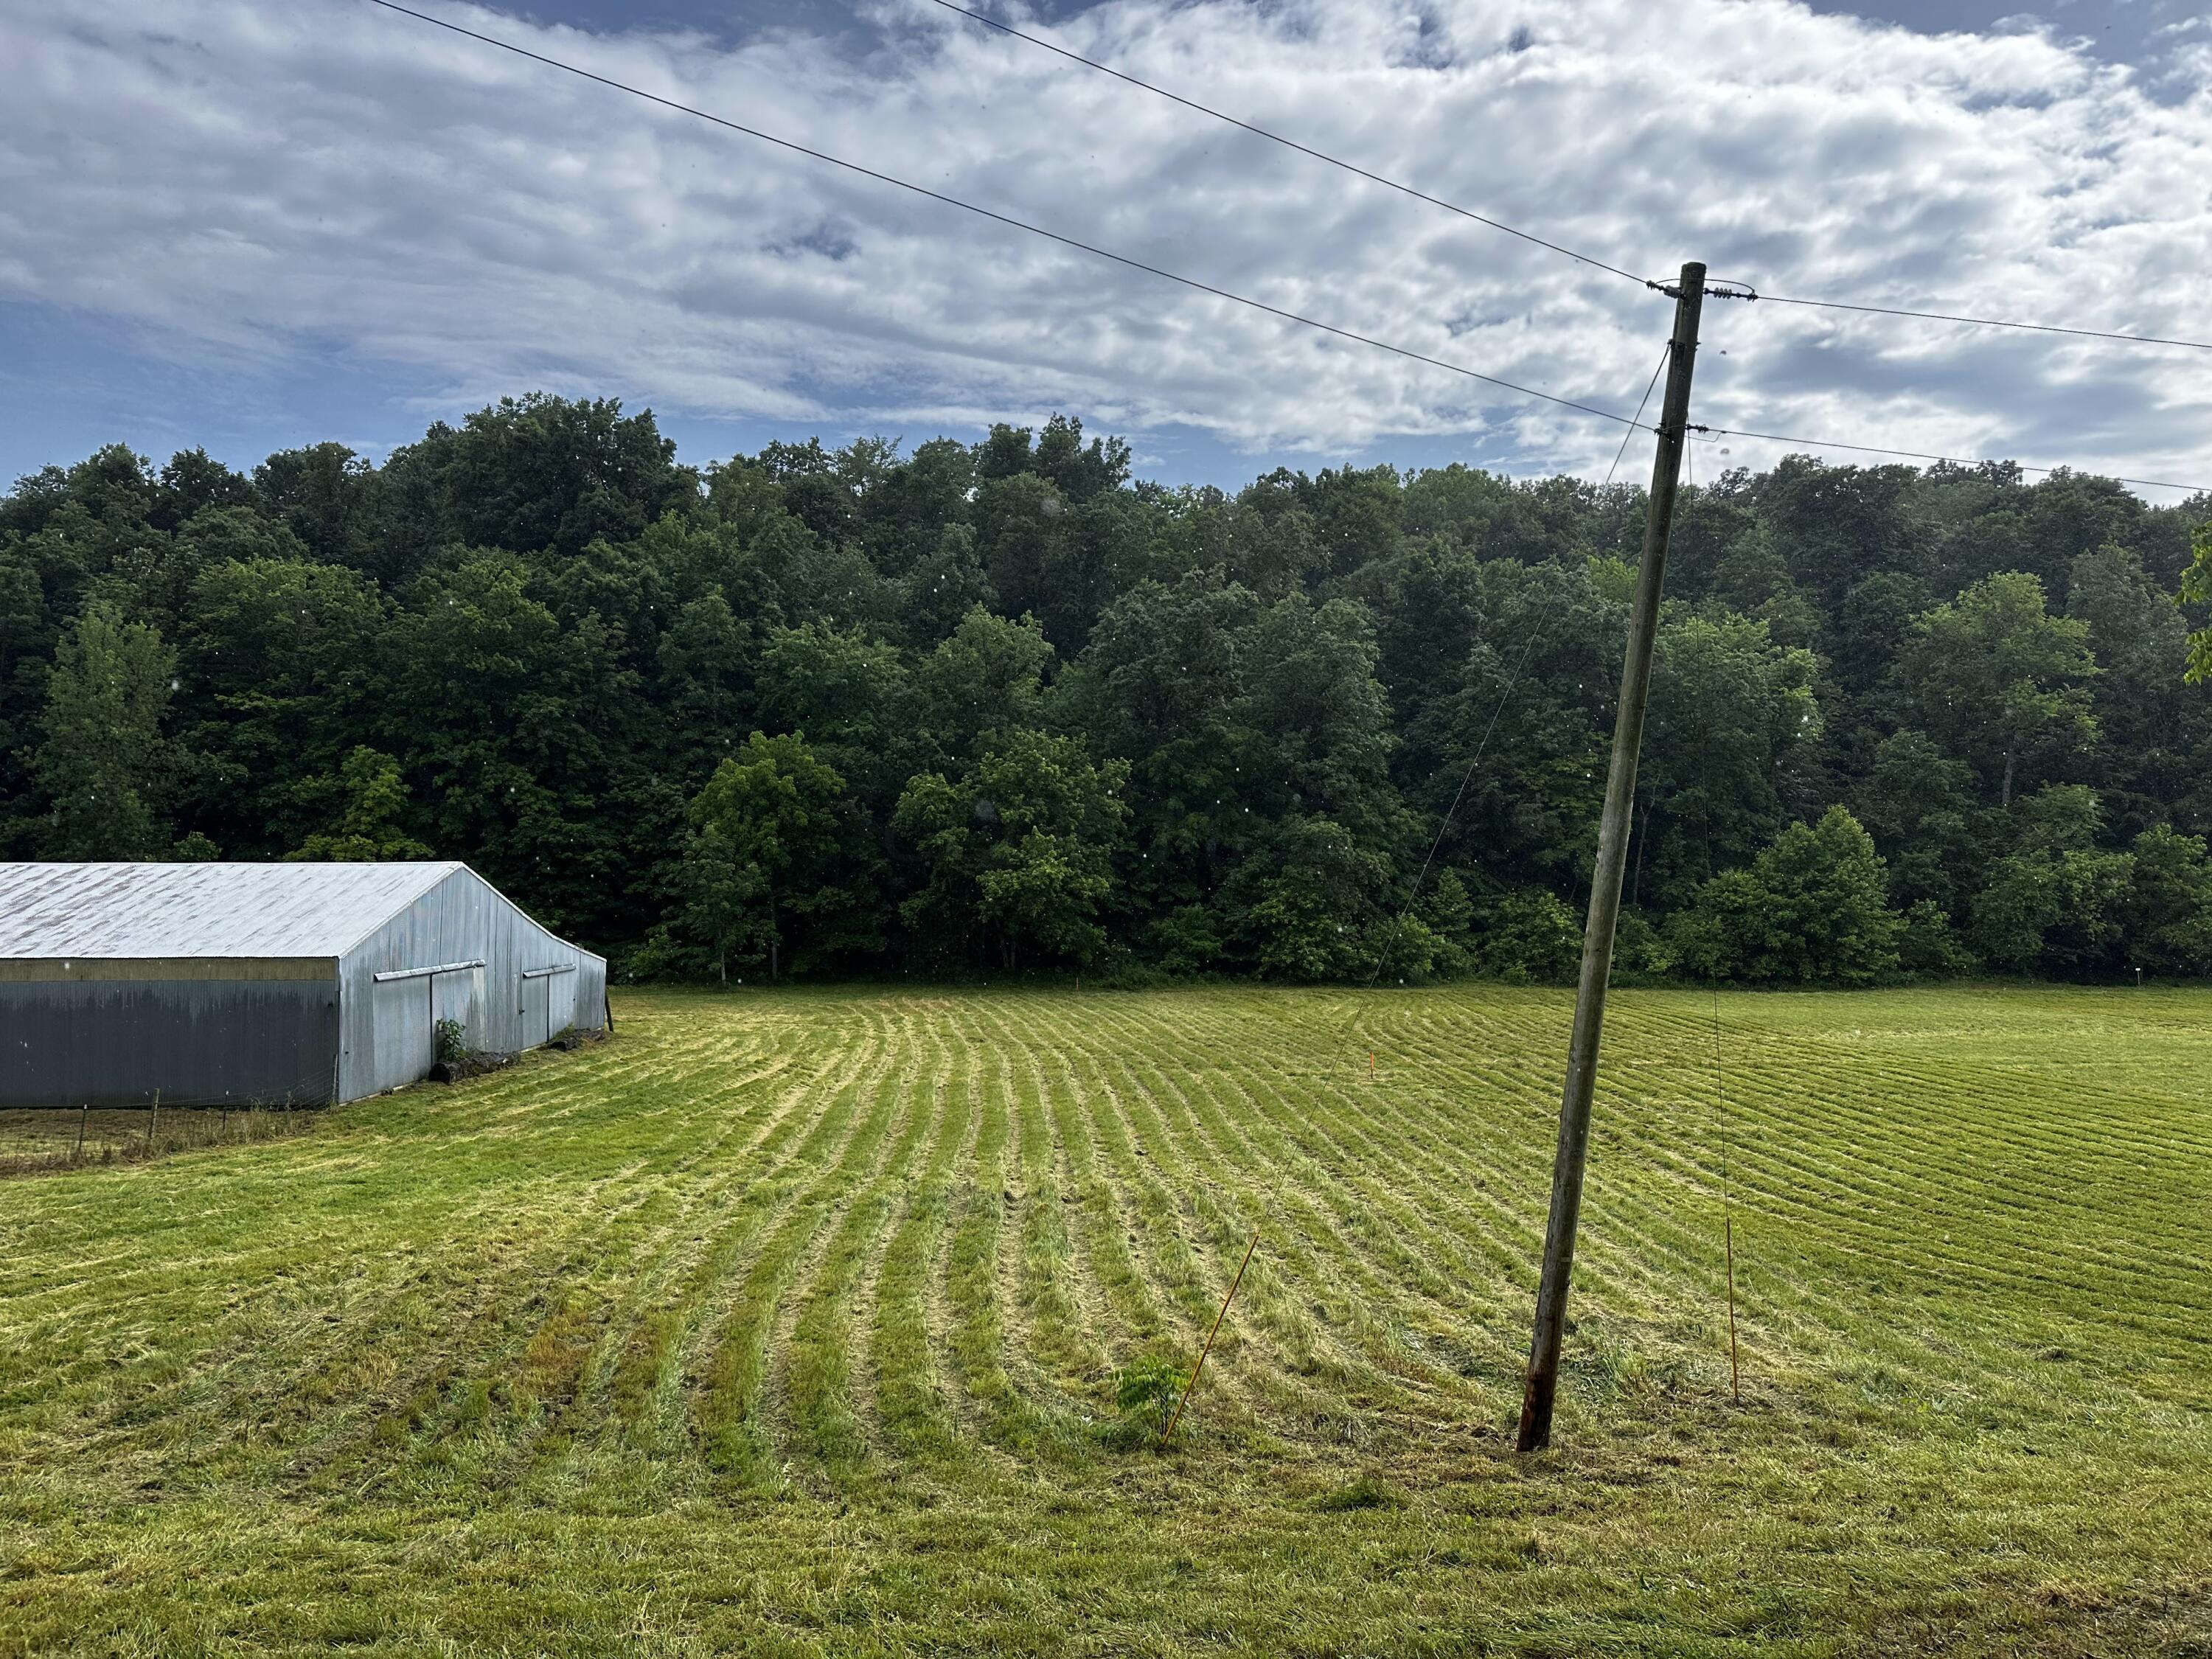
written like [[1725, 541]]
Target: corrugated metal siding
[[199, 1042], [592, 994], [386, 1037]]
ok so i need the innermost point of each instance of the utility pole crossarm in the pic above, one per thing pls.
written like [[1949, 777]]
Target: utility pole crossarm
[[1605, 882]]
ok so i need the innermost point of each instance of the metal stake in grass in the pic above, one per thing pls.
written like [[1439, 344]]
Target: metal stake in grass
[[1728, 1245], [1728, 1209], [1167, 1433]]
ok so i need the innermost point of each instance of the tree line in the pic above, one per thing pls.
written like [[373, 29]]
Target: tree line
[[1000, 707]]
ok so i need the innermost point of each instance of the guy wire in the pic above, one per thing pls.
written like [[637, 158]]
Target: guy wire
[[1666, 351], [1636, 424]]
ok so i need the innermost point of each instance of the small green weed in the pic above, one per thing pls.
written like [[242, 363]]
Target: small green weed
[[1368, 1490], [1146, 1393]]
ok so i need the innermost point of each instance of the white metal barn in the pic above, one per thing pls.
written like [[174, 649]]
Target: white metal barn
[[266, 983]]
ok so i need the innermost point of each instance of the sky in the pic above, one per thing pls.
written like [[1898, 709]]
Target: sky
[[250, 224]]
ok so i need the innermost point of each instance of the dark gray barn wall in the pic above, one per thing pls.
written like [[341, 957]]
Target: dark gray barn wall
[[385, 1031], [198, 1041]]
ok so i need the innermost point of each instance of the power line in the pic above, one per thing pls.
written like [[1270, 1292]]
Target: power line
[[1922, 455], [1986, 322], [1634, 423], [1584, 259], [1005, 219], [1287, 144]]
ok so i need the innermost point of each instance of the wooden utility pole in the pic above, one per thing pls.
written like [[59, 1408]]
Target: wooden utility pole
[[1605, 881]]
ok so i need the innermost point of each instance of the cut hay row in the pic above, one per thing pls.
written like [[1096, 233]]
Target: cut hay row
[[848, 1243], [1162, 1132]]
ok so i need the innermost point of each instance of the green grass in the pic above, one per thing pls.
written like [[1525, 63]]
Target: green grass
[[789, 1323]]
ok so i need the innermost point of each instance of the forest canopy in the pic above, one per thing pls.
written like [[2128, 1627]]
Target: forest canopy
[[999, 707]]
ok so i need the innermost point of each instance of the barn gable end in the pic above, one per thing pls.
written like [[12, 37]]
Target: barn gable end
[[511, 983]]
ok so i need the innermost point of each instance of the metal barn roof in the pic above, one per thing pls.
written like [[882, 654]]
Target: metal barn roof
[[170, 910]]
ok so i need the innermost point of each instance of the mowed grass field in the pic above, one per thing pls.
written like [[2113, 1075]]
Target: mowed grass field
[[786, 1323]]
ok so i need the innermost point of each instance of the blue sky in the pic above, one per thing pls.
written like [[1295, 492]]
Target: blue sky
[[249, 225]]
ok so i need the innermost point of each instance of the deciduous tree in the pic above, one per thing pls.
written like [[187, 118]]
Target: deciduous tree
[[105, 761]]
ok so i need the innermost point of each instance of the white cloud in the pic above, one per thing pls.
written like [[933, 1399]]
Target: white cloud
[[239, 178]]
